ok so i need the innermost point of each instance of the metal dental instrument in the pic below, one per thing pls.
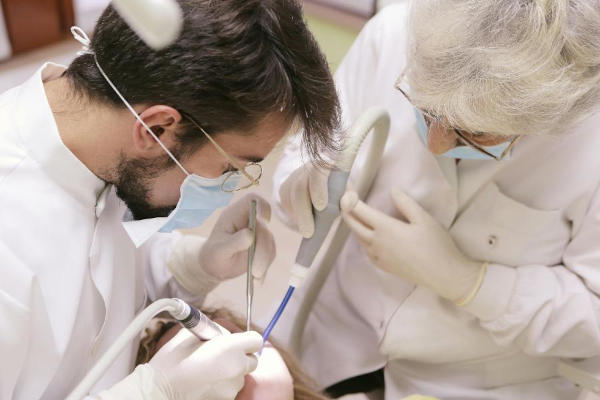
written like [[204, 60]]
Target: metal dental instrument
[[251, 250]]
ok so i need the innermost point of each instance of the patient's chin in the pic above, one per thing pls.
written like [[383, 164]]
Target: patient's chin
[[270, 381]]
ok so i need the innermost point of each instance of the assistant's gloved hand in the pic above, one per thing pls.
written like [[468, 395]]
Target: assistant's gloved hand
[[187, 369], [304, 189], [417, 249], [198, 263]]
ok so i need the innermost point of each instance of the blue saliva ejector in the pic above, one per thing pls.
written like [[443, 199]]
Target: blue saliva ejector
[[377, 121]]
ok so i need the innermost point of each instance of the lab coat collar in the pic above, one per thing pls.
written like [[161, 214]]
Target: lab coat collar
[[37, 128]]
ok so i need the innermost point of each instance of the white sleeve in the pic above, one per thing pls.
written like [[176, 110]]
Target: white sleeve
[[548, 310], [26, 336], [160, 282], [353, 81]]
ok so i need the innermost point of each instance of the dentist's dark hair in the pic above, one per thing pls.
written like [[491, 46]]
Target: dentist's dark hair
[[235, 62]]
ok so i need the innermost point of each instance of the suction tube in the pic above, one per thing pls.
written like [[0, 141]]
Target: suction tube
[[189, 316], [375, 119]]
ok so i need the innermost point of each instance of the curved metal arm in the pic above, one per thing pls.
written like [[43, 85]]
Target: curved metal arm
[[376, 120]]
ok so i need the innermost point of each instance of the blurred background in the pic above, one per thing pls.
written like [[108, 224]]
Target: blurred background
[[35, 31]]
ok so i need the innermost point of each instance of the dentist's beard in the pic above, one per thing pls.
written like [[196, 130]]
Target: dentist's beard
[[134, 180]]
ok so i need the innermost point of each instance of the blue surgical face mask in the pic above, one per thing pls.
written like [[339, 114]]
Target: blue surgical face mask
[[199, 198], [461, 152]]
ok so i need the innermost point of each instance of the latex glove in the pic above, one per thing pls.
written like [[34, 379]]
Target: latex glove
[[417, 249], [304, 189], [270, 381], [187, 369], [197, 263]]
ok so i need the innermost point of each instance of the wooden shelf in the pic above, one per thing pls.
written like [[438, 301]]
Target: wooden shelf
[[31, 24]]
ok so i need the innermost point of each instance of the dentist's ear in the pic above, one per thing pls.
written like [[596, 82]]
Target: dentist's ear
[[163, 121]]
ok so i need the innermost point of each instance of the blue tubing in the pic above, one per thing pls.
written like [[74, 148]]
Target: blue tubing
[[278, 313]]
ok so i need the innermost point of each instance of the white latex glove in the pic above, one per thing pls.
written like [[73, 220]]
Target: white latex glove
[[198, 263], [304, 189], [417, 249], [187, 369]]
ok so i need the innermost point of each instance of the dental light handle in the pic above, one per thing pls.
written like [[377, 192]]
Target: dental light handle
[[190, 317], [375, 119], [156, 22]]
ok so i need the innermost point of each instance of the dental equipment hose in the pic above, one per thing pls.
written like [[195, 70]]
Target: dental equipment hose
[[375, 119], [189, 316]]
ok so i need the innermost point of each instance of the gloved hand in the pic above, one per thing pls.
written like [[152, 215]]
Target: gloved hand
[[304, 189], [198, 263], [187, 369], [417, 249]]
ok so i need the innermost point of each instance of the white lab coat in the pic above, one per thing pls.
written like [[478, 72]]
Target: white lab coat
[[71, 279], [535, 218]]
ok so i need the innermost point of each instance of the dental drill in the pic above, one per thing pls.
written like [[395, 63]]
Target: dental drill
[[189, 316], [377, 120]]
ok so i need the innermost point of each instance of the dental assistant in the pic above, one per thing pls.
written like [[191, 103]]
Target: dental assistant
[[474, 263], [102, 161]]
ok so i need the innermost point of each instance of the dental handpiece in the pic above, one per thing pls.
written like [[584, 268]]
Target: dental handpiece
[[197, 322], [189, 316]]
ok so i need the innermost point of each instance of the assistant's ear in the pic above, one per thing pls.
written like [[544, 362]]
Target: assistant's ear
[[163, 120]]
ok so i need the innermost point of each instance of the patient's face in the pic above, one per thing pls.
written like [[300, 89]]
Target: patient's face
[[270, 381]]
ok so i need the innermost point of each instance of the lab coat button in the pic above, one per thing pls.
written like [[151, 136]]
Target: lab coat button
[[492, 240]]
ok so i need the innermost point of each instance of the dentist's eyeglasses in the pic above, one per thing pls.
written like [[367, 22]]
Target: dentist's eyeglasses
[[242, 177]]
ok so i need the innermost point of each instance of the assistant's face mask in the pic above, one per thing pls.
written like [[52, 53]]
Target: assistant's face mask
[[199, 196], [461, 152]]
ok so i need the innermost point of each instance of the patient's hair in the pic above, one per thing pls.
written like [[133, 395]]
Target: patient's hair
[[235, 62], [304, 387]]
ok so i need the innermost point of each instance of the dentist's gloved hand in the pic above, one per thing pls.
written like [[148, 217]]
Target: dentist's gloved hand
[[199, 263], [187, 369], [304, 189], [417, 248]]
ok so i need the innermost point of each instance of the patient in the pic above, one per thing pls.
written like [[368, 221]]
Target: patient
[[290, 383]]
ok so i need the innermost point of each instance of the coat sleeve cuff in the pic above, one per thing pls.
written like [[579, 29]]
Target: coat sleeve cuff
[[184, 264], [494, 294]]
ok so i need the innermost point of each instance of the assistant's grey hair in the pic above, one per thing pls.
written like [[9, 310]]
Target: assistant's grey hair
[[507, 67]]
